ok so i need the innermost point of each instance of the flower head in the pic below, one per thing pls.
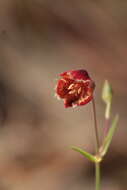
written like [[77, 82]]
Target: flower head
[[75, 88]]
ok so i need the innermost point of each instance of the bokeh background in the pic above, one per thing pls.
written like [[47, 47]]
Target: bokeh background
[[38, 40]]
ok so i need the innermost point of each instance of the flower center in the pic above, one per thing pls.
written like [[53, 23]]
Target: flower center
[[77, 93]]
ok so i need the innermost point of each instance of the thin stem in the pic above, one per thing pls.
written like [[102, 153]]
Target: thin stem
[[106, 127], [97, 165], [108, 110], [107, 119], [97, 173], [95, 127]]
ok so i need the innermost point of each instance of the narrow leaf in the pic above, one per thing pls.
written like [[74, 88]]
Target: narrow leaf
[[108, 138], [84, 153]]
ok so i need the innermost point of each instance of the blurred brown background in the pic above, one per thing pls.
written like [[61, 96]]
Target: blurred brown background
[[38, 40]]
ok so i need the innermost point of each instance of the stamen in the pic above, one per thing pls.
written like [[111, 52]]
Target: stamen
[[71, 86], [79, 90], [72, 92]]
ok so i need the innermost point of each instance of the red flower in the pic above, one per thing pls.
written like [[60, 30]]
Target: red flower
[[75, 88]]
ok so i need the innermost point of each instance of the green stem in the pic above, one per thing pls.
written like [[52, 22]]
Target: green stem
[[97, 173], [97, 164]]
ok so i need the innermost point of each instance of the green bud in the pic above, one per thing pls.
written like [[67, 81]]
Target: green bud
[[107, 98], [107, 92]]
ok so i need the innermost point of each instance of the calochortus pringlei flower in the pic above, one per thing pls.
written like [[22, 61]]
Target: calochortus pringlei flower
[[75, 87]]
